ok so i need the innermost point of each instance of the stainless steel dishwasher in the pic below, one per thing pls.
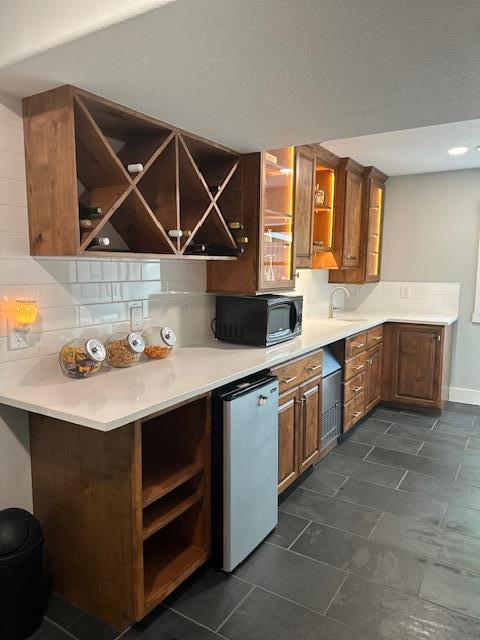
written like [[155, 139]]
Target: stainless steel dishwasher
[[244, 468], [331, 398]]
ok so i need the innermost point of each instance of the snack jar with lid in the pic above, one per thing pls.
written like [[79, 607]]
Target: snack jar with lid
[[124, 349], [159, 341], [81, 358]]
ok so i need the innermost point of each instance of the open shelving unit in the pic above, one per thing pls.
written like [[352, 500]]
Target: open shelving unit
[[78, 147], [175, 500]]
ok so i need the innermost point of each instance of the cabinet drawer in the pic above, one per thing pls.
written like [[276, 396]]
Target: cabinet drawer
[[294, 373], [355, 344], [374, 336], [354, 387], [355, 365], [353, 411]]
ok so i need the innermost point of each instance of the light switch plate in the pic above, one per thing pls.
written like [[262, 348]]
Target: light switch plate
[[405, 291], [136, 318]]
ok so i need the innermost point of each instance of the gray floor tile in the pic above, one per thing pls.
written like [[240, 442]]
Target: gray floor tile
[[163, 624], [463, 520], [456, 429], [450, 455], [426, 536], [378, 426], [389, 614], [457, 417], [473, 443], [352, 449], [417, 420], [264, 616], [329, 511], [387, 441], [323, 481], [287, 530], [455, 493], [362, 470], [305, 581], [453, 588], [378, 562], [49, 631], [210, 598], [384, 414], [87, 627], [411, 462], [386, 499], [427, 435], [470, 409], [62, 612], [469, 475]]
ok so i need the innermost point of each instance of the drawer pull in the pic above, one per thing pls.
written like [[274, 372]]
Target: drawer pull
[[356, 414], [315, 367], [359, 367], [359, 345], [288, 380], [378, 337], [357, 389]]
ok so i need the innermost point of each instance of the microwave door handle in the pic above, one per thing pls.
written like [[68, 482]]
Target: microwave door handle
[[293, 317]]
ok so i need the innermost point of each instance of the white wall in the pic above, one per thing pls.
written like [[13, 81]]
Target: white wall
[[76, 298], [431, 230]]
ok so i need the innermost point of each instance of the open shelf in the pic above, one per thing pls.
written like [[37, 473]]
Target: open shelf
[[164, 510], [212, 162], [160, 479], [195, 200], [323, 219], [171, 555]]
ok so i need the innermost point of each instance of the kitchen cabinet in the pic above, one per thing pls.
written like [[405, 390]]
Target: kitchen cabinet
[[304, 195], [373, 377], [299, 416], [268, 261], [126, 513], [96, 169], [416, 365], [370, 249]]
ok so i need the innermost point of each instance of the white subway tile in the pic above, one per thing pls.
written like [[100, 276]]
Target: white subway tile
[[12, 166], [434, 288], [13, 192], [55, 318], [50, 270], [57, 295], [11, 138], [11, 111], [14, 244], [151, 271], [10, 293], [103, 313], [6, 355], [13, 219], [138, 290], [126, 270]]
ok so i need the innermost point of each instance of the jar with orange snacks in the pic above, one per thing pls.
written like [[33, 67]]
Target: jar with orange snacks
[[159, 342]]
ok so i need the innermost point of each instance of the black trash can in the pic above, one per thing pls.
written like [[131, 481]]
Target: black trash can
[[23, 596]]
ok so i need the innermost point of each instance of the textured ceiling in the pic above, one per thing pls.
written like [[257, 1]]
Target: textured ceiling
[[257, 74]]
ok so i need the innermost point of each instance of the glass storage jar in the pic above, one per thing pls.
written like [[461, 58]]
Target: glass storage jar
[[159, 341], [81, 358], [124, 349]]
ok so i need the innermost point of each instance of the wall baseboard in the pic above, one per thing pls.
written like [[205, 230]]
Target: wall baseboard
[[467, 396]]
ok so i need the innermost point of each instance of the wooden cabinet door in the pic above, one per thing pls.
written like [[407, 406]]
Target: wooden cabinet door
[[304, 191], [310, 395], [416, 362], [288, 437], [353, 220], [373, 377]]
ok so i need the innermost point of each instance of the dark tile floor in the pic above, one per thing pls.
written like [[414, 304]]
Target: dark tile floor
[[381, 540]]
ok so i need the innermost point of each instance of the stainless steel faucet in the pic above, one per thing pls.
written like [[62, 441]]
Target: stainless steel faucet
[[331, 308]]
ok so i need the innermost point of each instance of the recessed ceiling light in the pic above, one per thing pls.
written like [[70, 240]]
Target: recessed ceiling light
[[457, 151]]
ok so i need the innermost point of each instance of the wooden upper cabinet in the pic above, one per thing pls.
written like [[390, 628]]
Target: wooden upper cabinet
[[371, 221], [268, 262], [79, 149], [348, 218], [412, 368], [304, 195]]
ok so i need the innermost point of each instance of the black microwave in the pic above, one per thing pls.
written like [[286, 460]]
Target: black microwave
[[261, 321]]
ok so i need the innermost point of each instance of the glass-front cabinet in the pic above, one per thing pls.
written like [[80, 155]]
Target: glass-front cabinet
[[276, 229], [374, 232]]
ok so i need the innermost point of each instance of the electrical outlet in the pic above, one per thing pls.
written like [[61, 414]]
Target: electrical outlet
[[17, 339], [136, 318], [405, 291]]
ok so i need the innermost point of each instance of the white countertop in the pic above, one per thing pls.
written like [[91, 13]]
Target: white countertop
[[118, 396]]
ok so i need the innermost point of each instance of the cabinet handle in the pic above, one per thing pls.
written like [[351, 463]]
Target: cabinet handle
[[288, 380], [315, 367], [356, 414], [358, 367], [378, 337], [349, 257], [357, 389], [359, 345]]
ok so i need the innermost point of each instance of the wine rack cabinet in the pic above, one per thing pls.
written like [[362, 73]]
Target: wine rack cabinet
[[78, 147]]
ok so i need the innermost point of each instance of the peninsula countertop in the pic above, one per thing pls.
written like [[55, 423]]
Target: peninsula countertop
[[116, 397]]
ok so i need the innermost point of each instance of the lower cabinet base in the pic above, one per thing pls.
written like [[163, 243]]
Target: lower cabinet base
[[433, 411]]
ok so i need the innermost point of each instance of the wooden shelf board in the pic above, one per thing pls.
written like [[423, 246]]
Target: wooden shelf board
[[161, 478], [323, 209], [168, 566], [150, 256], [271, 212], [171, 506]]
